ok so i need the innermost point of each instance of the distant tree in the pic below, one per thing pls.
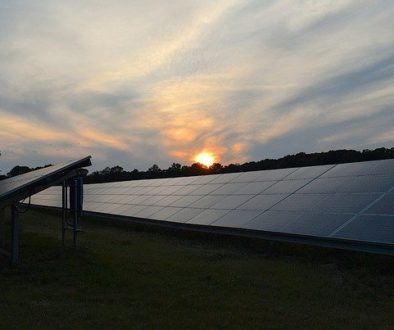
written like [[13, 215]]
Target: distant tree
[[216, 168], [232, 168], [105, 171], [117, 169], [174, 170], [198, 169], [135, 172], [154, 169], [18, 170]]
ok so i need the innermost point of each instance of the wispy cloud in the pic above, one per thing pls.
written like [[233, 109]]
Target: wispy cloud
[[137, 83]]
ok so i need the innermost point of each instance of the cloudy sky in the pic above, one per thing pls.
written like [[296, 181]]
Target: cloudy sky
[[141, 82]]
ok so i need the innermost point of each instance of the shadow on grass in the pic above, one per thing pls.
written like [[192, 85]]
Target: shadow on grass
[[227, 245]]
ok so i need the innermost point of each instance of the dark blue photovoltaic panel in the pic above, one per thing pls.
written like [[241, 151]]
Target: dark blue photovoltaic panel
[[24, 185], [236, 218], [342, 203], [370, 228]]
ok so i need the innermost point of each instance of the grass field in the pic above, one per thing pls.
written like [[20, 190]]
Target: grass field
[[135, 277]]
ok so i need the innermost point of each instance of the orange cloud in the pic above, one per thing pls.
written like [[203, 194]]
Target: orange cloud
[[89, 136], [18, 128], [14, 129]]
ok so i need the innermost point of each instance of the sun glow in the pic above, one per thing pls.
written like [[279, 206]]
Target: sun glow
[[205, 158]]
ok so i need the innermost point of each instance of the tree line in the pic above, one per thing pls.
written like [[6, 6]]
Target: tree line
[[301, 159], [18, 170], [117, 173]]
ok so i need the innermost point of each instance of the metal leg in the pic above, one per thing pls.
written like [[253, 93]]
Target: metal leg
[[64, 211], [14, 235], [71, 213], [75, 216], [2, 216], [3, 250]]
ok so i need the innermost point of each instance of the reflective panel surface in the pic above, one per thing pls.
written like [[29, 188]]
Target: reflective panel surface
[[342, 202]]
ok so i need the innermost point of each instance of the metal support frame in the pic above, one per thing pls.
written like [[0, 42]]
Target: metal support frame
[[28, 186], [14, 235], [13, 251], [68, 212], [64, 211], [70, 221], [75, 214]]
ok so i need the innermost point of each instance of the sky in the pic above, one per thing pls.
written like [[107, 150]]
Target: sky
[[134, 83]]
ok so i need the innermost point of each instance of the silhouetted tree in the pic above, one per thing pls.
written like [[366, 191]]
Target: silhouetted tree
[[153, 172], [216, 168], [117, 169], [197, 169], [18, 170], [175, 169], [154, 169], [106, 171]]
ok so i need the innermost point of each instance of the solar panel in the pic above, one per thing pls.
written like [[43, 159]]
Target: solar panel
[[316, 224], [229, 189], [236, 218], [207, 201], [186, 190], [309, 172], [377, 167], [383, 206], [168, 200], [22, 186], [15, 189], [148, 212], [286, 187], [253, 188], [165, 212], [262, 202], [207, 217], [370, 228], [346, 205], [185, 201], [231, 202], [225, 178], [184, 215]]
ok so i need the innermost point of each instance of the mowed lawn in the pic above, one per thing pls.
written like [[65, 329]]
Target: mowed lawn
[[136, 277]]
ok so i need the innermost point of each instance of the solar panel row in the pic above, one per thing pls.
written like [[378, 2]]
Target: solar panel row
[[13, 183], [352, 201], [12, 190], [44, 176]]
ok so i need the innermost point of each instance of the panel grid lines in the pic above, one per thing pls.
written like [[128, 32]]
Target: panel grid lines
[[361, 212], [297, 189], [254, 195], [329, 201]]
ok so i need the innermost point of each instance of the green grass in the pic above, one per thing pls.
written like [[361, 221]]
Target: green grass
[[135, 277]]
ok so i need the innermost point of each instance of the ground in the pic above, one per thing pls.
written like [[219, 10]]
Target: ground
[[136, 277]]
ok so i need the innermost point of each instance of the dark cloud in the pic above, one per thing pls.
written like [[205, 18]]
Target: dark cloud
[[341, 85]]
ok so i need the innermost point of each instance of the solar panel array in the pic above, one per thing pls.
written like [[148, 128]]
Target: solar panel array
[[13, 189], [9, 185], [22, 182], [352, 201]]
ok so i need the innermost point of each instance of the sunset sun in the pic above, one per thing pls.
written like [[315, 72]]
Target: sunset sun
[[205, 158]]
